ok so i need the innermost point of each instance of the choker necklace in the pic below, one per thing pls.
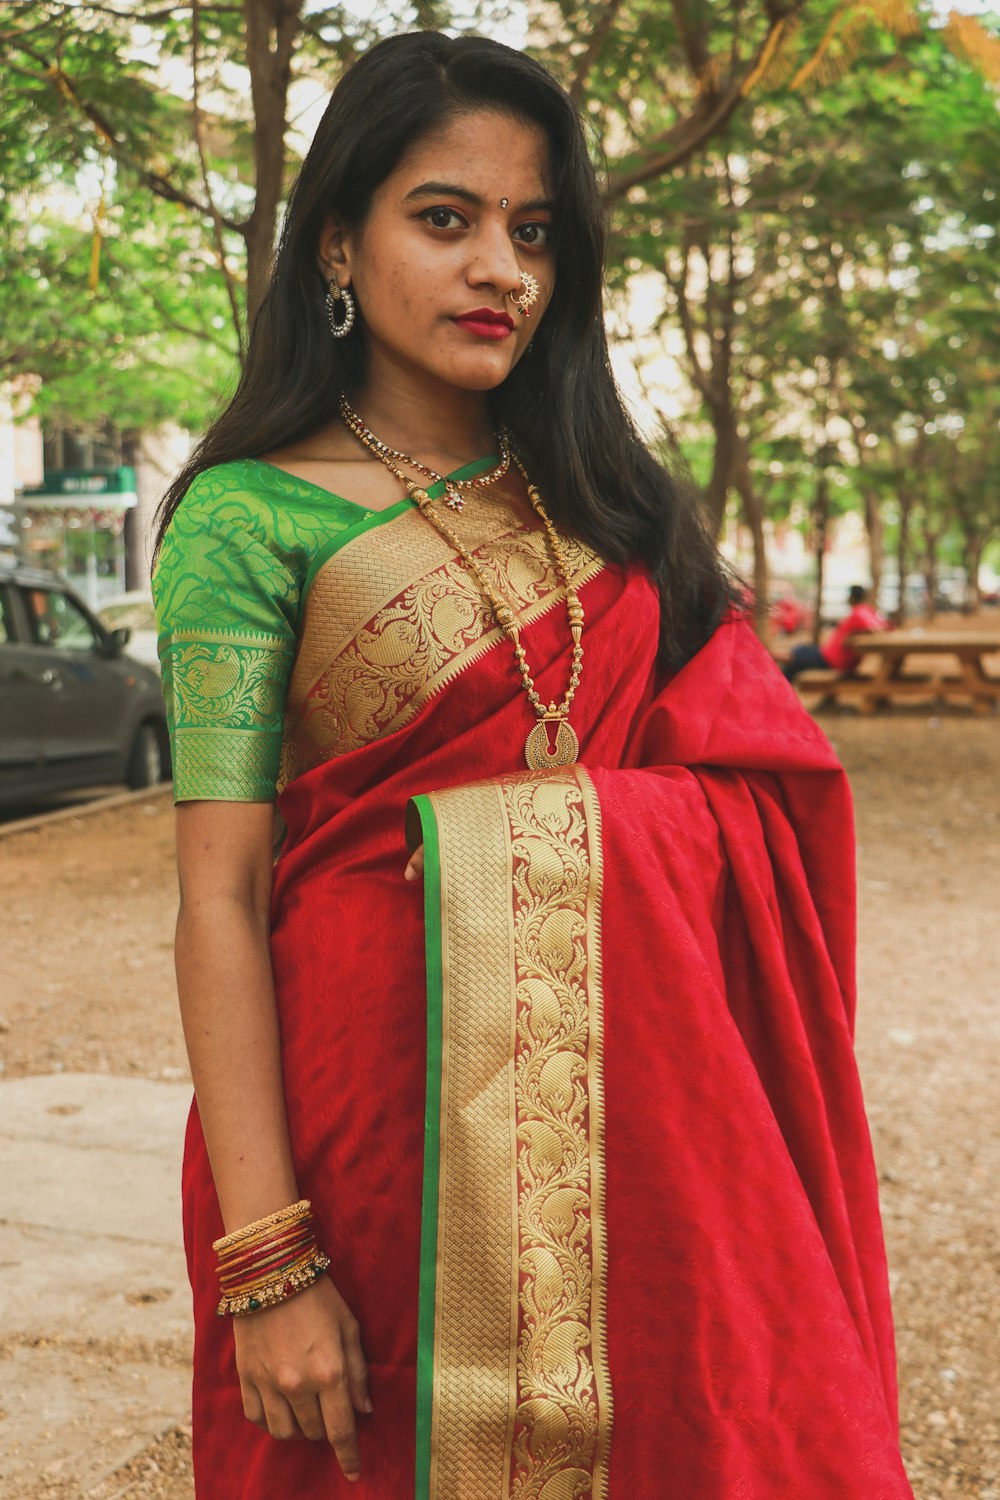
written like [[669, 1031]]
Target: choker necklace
[[453, 487], [540, 752]]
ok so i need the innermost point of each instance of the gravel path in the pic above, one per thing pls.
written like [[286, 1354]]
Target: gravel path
[[89, 907]]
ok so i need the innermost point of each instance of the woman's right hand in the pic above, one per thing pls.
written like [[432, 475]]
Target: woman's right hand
[[303, 1372]]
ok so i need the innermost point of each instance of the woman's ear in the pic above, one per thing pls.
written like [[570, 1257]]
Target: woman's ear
[[332, 253]]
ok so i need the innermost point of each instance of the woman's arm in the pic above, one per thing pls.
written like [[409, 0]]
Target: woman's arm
[[227, 1003], [300, 1363]]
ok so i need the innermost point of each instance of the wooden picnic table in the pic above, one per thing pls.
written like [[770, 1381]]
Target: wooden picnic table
[[952, 665]]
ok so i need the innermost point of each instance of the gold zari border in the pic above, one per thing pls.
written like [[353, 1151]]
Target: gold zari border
[[522, 1397], [394, 615]]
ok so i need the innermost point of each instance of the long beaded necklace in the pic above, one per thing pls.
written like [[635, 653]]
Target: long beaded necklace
[[454, 498], [539, 751]]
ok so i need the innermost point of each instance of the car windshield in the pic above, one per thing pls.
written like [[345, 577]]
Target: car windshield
[[57, 620]]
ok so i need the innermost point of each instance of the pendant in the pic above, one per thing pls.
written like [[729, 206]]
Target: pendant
[[454, 500], [541, 752]]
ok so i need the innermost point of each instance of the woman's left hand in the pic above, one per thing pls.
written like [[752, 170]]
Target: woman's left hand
[[415, 869]]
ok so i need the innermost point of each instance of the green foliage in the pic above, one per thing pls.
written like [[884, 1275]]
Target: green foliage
[[830, 260], [99, 97], [817, 204]]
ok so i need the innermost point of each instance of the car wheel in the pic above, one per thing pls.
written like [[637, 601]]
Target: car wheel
[[146, 763]]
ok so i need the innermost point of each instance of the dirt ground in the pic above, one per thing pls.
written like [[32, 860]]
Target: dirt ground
[[89, 907]]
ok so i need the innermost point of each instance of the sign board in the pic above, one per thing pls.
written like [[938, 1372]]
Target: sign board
[[64, 489]]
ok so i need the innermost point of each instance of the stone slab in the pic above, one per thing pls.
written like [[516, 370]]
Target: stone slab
[[95, 1322], [72, 1416], [93, 1155]]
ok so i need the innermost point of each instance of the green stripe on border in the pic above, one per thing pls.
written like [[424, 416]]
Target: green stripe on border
[[432, 1147], [375, 517]]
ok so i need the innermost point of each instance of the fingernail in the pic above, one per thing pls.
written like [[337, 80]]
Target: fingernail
[[368, 1404], [409, 873], [352, 1477]]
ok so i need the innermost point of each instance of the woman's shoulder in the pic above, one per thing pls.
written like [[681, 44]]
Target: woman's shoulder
[[260, 507], [233, 495]]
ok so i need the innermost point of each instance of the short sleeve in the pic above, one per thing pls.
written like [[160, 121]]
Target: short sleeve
[[225, 609]]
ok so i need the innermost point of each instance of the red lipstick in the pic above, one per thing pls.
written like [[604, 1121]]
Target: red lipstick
[[485, 323]]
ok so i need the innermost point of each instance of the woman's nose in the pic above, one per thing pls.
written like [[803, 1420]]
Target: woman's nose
[[496, 260]]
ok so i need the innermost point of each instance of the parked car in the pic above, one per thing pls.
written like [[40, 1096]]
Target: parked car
[[135, 611], [75, 709]]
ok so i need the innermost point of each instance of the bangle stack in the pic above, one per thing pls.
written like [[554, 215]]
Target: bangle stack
[[267, 1262]]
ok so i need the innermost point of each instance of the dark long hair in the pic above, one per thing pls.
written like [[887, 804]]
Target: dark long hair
[[561, 407]]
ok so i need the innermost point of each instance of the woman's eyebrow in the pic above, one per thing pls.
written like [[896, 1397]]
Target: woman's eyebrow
[[450, 190]]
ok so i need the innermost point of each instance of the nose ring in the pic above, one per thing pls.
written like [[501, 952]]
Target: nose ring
[[529, 294]]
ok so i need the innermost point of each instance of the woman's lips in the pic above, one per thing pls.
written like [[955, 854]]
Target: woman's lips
[[481, 329]]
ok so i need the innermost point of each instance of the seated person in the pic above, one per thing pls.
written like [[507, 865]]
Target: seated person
[[862, 619]]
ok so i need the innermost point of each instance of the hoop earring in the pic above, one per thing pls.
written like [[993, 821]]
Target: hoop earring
[[529, 294], [340, 294]]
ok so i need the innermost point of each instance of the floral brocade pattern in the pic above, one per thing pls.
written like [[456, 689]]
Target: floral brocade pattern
[[562, 1418], [225, 701], [394, 639], [520, 1404], [227, 590], [295, 626], [225, 684]]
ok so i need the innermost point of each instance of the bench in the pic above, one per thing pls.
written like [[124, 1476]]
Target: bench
[[838, 687], [884, 678]]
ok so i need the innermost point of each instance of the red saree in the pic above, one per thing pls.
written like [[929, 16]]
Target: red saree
[[580, 1119]]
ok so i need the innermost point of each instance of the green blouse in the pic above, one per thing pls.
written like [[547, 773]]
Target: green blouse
[[228, 587]]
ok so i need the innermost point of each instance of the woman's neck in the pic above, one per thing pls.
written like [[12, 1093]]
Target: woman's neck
[[426, 418]]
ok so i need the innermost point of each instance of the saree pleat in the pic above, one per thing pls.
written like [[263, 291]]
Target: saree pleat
[[580, 1119]]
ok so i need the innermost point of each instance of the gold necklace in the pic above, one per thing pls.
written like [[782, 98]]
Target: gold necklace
[[539, 751], [453, 487]]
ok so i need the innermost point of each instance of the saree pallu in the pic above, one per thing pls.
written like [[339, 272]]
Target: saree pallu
[[580, 1117]]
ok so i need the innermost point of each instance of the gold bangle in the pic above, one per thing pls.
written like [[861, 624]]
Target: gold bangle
[[250, 1231], [257, 1265], [239, 1304], [270, 1278], [274, 1242]]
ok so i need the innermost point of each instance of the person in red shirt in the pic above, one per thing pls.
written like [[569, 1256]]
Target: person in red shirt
[[862, 619]]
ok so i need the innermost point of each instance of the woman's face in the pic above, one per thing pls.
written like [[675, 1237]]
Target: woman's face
[[448, 234]]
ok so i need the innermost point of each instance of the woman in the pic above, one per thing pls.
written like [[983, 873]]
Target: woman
[[578, 1118]]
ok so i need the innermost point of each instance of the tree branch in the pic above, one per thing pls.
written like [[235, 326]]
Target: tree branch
[[715, 106], [169, 321], [693, 41], [678, 145], [196, 121], [678, 286], [144, 17], [594, 48], [157, 183], [270, 75]]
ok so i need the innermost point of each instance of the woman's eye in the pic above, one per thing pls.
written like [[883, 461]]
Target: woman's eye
[[440, 217], [533, 234]]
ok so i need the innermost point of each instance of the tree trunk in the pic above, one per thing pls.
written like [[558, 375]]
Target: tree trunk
[[717, 490], [972, 557], [821, 520], [753, 516], [278, 22], [875, 529], [930, 572], [903, 556]]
